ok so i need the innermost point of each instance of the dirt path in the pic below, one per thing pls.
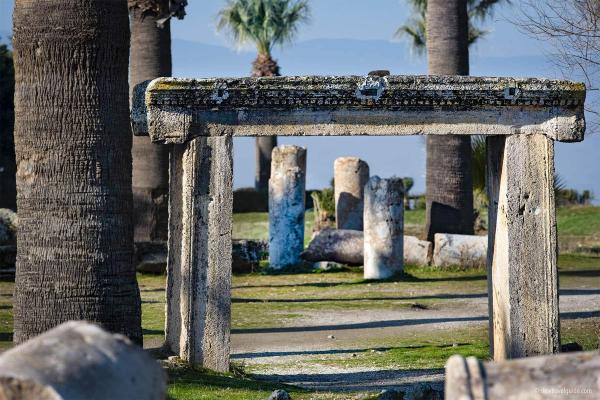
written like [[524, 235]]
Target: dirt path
[[279, 353]]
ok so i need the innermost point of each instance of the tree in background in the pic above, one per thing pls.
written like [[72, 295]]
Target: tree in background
[[477, 10], [151, 58], [266, 23], [8, 194], [73, 152], [447, 28], [408, 183], [572, 28]]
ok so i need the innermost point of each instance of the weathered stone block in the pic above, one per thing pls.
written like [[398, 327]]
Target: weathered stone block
[[459, 250], [351, 174], [338, 245], [417, 251], [564, 377], [78, 360], [384, 228], [347, 247], [151, 257]]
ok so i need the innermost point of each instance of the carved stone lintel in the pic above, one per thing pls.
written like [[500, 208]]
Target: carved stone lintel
[[179, 110]]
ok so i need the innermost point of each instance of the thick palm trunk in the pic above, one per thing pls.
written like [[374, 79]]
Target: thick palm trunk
[[264, 65], [449, 175], [150, 58], [8, 194], [73, 151]]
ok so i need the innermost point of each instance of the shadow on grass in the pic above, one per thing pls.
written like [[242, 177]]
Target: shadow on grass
[[364, 380], [364, 299], [6, 337], [152, 331], [441, 296], [406, 277], [361, 325], [580, 272], [394, 323], [203, 378], [337, 351]]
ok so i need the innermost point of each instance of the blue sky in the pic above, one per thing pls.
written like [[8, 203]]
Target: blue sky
[[354, 37]]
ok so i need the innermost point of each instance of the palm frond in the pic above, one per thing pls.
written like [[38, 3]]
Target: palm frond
[[264, 22], [415, 28], [416, 34], [483, 9]]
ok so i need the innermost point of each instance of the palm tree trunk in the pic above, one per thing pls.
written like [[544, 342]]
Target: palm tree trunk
[[8, 194], [449, 176], [73, 150], [264, 65], [150, 58]]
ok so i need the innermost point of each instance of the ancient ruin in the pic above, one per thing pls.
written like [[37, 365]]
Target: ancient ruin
[[521, 119], [287, 188], [350, 176], [384, 228]]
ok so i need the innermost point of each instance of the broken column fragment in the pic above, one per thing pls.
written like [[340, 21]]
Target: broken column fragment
[[350, 177], [565, 376], [287, 187], [384, 228], [346, 246]]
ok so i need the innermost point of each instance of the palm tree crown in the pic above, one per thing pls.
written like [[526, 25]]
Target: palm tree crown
[[415, 28], [264, 22]]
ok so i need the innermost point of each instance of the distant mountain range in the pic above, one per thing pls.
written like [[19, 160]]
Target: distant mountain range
[[337, 57]]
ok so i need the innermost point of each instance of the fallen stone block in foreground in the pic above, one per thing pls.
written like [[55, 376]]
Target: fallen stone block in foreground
[[564, 376], [459, 250], [78, 360]]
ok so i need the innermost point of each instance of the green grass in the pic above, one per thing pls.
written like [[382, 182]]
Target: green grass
[[6, 314], [188, 384], [573, 223], [256, 226], [428, 350], [266, 301], [578, 221]]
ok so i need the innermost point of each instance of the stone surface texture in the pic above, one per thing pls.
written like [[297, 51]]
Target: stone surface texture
[[459, 250], [417, 251], [78, 360], [351, 174], [346, 246], [565, 376], [337, 245], [523, 263], [199, 263], [384, 228], [287, 187], [178, 110]]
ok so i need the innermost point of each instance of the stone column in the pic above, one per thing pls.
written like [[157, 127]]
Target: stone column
[[287, 188], [384, 228], [199, 263], [350, 177], [522, 251]]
